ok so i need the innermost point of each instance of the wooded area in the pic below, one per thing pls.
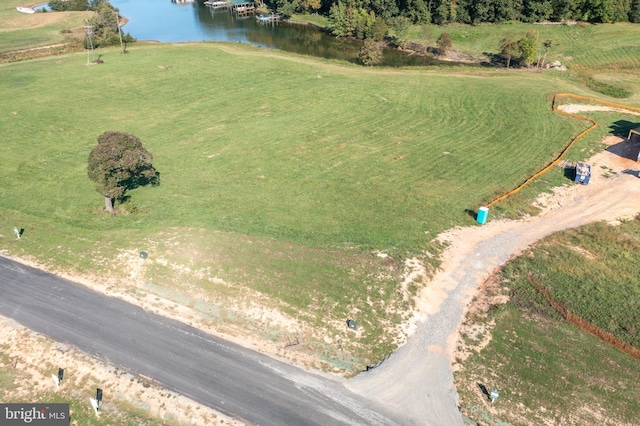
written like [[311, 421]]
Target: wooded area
[[473, 11]]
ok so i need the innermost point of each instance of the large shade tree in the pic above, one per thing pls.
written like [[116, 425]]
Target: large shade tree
[[119, 162]]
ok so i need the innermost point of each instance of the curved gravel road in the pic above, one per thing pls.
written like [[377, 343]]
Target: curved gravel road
[[418, 380]]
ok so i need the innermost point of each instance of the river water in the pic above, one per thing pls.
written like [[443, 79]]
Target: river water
[[170, 21]]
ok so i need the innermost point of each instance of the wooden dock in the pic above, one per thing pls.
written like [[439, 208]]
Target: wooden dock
[[215, 4], [268, 19]]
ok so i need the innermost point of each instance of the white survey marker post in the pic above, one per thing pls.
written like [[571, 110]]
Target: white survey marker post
[[57, 379], [17, 231], [94, 404]]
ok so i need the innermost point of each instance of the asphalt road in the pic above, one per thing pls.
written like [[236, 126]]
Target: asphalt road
[[234, 380]]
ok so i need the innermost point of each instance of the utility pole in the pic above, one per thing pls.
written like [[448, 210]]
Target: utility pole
[[119, 31], [89, 32]]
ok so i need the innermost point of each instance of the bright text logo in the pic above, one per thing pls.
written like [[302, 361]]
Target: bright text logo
[[36, 414]]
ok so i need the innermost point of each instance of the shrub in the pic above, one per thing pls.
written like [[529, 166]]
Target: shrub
[[371, 52], [444, 43], [608, 89]]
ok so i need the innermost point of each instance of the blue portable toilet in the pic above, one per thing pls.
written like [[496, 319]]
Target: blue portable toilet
[[483, 214]]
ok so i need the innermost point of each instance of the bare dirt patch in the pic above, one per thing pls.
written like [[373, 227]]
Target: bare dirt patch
[[577, 108], [584, 252], [475, 329], [460, 57]]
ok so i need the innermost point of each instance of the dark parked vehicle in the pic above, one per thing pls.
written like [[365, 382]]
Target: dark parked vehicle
[[583, 173]]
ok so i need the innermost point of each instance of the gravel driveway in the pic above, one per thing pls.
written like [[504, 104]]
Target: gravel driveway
[[418, 379]]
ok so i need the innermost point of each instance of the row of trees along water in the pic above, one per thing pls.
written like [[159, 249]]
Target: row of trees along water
[[374, 20], [361, 18]]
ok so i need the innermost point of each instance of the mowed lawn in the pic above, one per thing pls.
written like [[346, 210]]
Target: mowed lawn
[[281, 176], [23, 31], [267, 145], [585, 46]]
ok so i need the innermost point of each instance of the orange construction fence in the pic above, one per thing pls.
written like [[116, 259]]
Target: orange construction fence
[[583, 324], [564, 151]]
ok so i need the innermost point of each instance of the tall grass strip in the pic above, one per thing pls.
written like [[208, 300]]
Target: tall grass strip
[[581, 323]]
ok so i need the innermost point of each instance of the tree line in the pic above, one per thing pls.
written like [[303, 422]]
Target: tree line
[[104, 24], [356, 17]]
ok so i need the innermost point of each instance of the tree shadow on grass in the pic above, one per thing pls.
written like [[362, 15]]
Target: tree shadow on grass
[[494, 60], [621, 128], [152, 177]]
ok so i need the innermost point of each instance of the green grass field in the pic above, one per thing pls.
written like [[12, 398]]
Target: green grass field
[[280, 174], [283, 177], [590, 52], [316, 155], [23, 31], [545, 368], [317, 20], [609, 46], [593, 272], [312, 159]]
